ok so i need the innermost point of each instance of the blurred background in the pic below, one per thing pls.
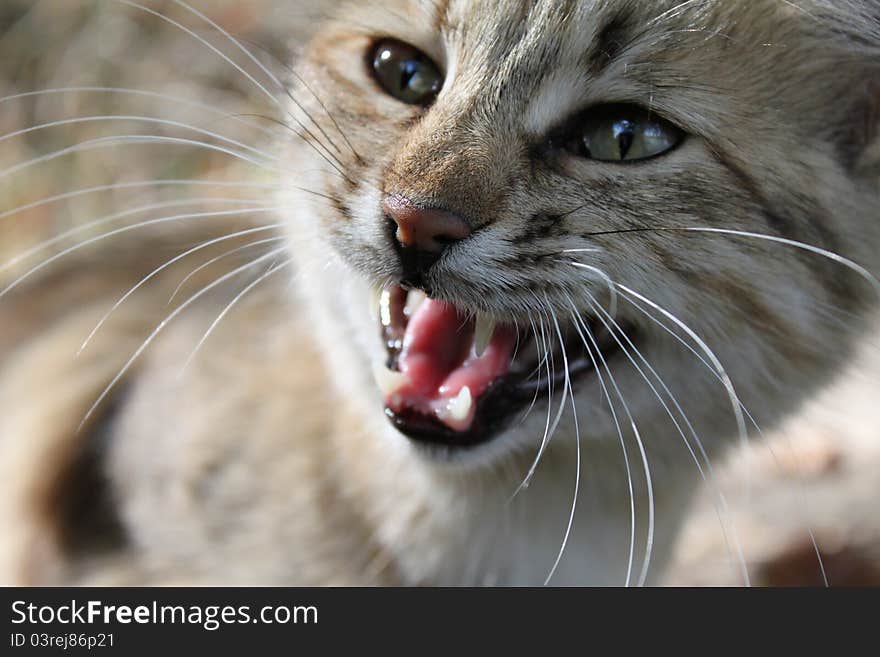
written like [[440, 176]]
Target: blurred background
[[820, 473]]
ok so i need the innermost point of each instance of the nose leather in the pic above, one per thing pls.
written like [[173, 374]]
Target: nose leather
[[424, 229]]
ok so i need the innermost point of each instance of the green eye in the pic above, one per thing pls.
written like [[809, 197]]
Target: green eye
[[406, 73], [621, 133]]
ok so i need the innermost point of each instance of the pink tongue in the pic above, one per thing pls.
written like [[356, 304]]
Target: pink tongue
[[438, 361]]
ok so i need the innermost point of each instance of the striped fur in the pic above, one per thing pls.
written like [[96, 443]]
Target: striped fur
[[270, 461]]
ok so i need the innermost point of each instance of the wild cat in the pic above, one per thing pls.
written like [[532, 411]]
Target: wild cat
[[540, 263]]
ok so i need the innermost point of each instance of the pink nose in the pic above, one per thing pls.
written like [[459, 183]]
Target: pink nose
[[424, 230]]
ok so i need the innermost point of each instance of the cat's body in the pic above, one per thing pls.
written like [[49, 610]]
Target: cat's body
[[268, 459]]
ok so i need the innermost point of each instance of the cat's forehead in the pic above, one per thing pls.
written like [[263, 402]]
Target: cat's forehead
[[548, 58], [542, 31], [563, 25]]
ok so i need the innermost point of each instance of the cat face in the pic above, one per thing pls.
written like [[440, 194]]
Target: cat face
[[606, 204]]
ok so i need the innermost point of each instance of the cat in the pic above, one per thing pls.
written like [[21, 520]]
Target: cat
[[550, 259]]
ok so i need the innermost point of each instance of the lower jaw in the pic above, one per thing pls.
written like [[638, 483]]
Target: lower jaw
[[496, 409]]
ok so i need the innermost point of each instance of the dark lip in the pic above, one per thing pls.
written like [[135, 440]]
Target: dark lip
[[504, 401], [495, 410]]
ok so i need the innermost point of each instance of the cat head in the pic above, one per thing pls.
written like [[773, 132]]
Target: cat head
[[627, 208]]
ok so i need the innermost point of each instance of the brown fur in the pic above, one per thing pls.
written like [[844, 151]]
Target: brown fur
[[268, 459]]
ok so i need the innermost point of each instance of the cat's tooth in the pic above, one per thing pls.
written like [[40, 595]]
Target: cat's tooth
[[385, 307], [485, 327], [375, 303], [389, 382], [413, 300], [459, 407]]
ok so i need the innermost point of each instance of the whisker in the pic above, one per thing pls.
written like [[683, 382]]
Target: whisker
[[577, 321], [127, 91], [846, 262], [158, 14], [135, 185], [111, 218], [537, 371], [273, 269], [165, 266], [329, 157], [116, 140], [649, 541], [745, 410], [193, 215], [225, 254], [567, 390], [835, 257], [549, 428], [292, 71], [262, 67], [612, 290], [146, 343], [728, 384], [719, 501], [140, 119]]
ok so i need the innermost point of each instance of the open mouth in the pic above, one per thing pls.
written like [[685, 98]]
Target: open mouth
[[455, 380]]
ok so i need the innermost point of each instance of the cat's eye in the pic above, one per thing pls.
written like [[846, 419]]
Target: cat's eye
[[405, 72], [621, 133]]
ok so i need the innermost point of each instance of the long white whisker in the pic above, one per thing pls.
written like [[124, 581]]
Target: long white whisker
[[272, 97], [567, 390], [549, 429], [632, 500], [121, 140], [119, 231], [748, 416], [162, 268], [225, 254], [545, 357], [728, 384], [116, 216], [538, 367], [261, 66], [225, 311], [135, 185], [612, 290], [649, 542], [720, 501], [329, 157], [326, 111], [846, 262], [583, 329], [202, 107], [146, 343], [139, 119]]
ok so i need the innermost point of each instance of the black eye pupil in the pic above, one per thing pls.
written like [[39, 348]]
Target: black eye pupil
[[405, 73], [624, 132], [410, 68]]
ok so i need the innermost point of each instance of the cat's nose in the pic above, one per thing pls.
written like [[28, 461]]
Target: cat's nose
[[422, 230]]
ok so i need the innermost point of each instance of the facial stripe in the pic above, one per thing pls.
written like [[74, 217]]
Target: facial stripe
[[611, 39]]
